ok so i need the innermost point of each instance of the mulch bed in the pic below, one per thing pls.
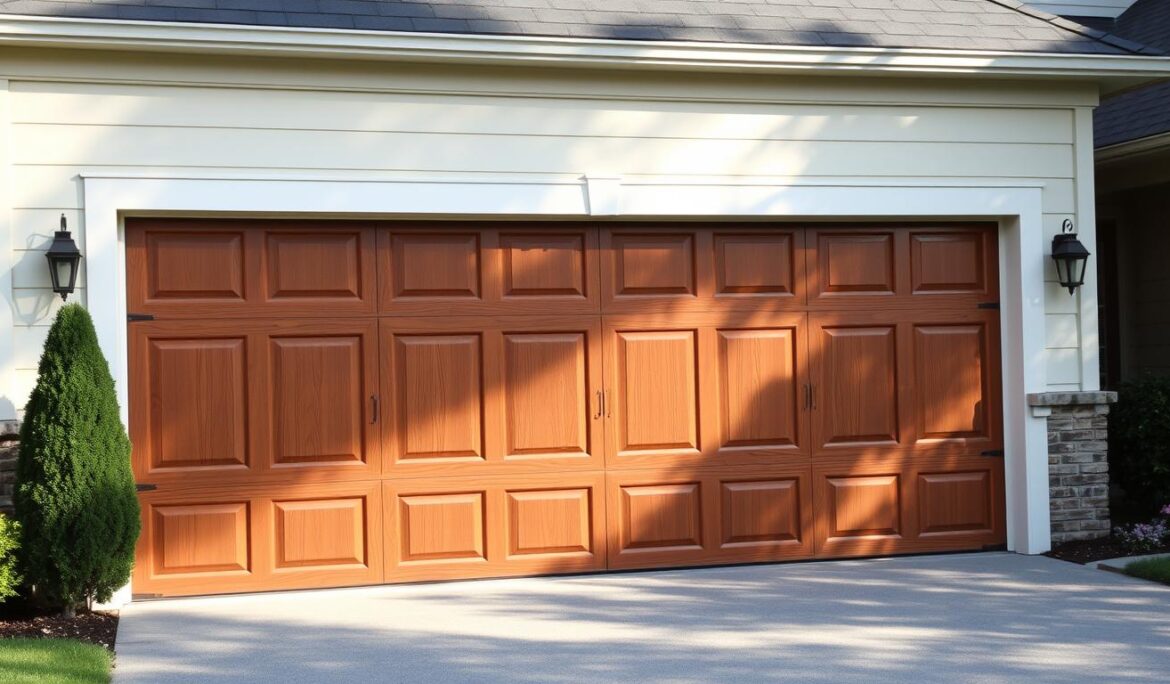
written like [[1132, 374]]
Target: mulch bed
[[99, 627], [1091, 550]]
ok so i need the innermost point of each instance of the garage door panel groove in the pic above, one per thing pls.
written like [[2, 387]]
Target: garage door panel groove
[[334, 403]]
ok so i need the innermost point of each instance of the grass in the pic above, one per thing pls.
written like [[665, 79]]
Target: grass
[[1153, 569], [52, 660]]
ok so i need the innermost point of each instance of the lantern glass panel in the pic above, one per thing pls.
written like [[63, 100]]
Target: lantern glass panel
[[64, 275]]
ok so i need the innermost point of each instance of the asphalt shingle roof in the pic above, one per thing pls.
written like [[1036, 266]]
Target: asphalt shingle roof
[[1145, 112], [1000, 25]]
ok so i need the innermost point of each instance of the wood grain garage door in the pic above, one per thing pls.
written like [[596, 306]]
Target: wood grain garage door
[[339, 403]]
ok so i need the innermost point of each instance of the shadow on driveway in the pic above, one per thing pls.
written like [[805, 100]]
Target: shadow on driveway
[[980, 617]]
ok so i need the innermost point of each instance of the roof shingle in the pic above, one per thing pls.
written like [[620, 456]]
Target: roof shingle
[[1144, 112], [996, 25]]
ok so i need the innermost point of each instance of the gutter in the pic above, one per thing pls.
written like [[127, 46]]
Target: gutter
[[1159, 142], [1112, 71]]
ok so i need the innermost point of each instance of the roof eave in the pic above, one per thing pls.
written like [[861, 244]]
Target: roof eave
[[1113, 72], [1156, 143]]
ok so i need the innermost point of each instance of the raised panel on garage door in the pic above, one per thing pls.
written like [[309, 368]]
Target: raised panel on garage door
[[953, 264], [653, 394], [488, 268], [322, 388], [200, 268], [235, 402], [699, 267], [884, 504], [854, 266], [695, 389], [916, 266], [546, 395], [760, 362], [194, 408], [758, 267], [956, 382], [502, 394], [222, 539], [857, 401], [495, 525], [439, 396], [691, 516], [310, 270]]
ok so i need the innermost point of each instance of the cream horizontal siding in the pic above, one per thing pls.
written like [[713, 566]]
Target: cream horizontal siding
[[90, 104], [175, 116], [310, 149]]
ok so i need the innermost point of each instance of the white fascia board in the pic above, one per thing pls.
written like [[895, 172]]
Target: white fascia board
[[1113, 71]]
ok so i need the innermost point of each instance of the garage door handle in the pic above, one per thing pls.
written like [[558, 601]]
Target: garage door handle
[[373, 408], [600, 405], [808, 397]]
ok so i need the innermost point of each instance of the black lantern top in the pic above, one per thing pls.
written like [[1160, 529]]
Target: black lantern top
[[1070, 256], [64, 260]]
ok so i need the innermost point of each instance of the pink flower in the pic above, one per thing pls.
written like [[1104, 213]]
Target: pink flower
[[1166, 509]]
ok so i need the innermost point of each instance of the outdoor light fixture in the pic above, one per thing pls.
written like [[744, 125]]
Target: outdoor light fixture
[[1070, 256], [64, 259]]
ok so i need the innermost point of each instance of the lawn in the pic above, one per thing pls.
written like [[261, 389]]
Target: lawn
[[52, 660], [1154, 569]]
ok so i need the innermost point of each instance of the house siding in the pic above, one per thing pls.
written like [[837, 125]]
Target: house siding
[[173, 115]]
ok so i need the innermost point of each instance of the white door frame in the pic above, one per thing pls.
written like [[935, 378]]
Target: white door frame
[[1015, 205]]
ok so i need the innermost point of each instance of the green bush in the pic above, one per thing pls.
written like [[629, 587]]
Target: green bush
[[9, 542], [75, 496], [1139, 441]]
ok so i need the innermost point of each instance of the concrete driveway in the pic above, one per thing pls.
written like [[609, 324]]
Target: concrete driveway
[[963, 618]]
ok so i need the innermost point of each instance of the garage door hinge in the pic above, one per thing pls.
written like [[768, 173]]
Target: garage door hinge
[[989, 305], [992, 453], [139, 317], [146, 487]]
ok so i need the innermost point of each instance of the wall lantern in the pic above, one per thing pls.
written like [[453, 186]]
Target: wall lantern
[[1070, 256], [64, 260]]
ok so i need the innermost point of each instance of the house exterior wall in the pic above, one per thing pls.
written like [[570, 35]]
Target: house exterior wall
[[221, 120], [176, 116], [1138, 217]]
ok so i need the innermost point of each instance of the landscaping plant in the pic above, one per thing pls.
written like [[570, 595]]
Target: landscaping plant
[[75, 496], [1142, 537], [9, 542], [55, 661], [1153, 569], [1139, 441], [1145, 537]]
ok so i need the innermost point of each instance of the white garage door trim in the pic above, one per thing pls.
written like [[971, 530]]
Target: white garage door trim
[[1016, 206]]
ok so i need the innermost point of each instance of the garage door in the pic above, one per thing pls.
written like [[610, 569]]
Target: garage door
[[337, 403]]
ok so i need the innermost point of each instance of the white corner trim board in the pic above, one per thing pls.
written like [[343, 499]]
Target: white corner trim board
[[1112, 70], [1016, 207]]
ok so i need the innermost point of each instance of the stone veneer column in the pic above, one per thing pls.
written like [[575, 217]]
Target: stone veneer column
[[1078, 461], [7, 474]]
